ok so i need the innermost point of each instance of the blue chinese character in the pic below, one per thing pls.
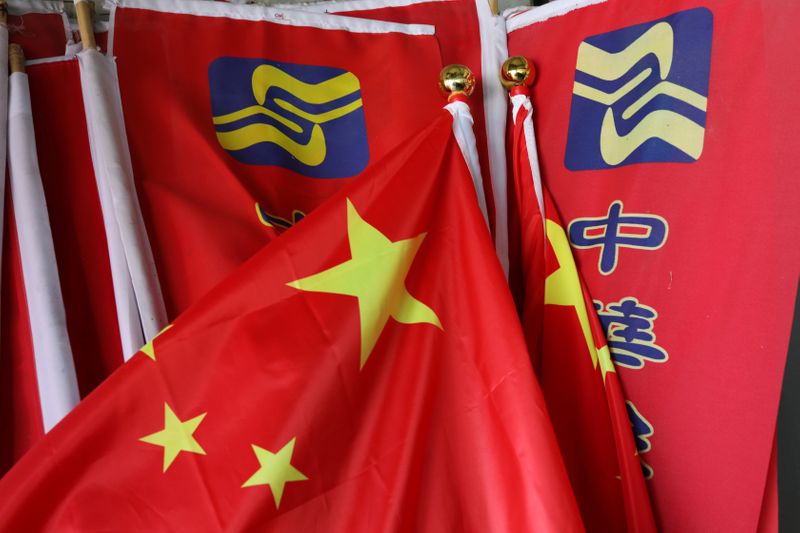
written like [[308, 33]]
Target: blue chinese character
[[629, 331], [642, 431], [617, 230]]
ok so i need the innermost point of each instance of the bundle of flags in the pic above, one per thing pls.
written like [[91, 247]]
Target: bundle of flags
[[259, 272]]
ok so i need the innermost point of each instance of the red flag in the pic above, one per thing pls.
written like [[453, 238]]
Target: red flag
[[222, 168], [570, 354], [680, 202], [40, 26], [20, 413], [365, 372]]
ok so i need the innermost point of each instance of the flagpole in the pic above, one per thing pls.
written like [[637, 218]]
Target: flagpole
[[16, 59], [83, 12], [517, 76]]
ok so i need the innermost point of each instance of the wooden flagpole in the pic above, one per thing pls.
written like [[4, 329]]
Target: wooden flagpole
[[16, 58], [83, 12]]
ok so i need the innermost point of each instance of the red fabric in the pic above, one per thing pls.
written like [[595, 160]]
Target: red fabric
[[20, 414], [458, 35], [768, 520], [80, 244], [39, 34], [101, 40], [723, 282], [76, 221], [443, 429], [587, 407], [199, 202]]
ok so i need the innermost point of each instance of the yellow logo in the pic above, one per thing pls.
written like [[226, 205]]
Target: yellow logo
[[306, 118], [640, 93]]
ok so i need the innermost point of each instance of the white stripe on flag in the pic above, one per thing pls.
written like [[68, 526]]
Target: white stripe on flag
[[3, 129], [465, 137], [114, 172], [519, 101], [55, 369]]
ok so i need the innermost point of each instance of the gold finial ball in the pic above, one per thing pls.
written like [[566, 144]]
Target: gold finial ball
[[456, 79], [516, 71]]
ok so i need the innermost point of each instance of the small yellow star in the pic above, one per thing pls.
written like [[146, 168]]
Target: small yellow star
[[148, 349], [563, 287], [276, 470], [376, 275], [176, 437]]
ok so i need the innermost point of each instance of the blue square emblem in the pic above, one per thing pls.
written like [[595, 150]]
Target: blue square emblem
[[640, 93], [305, 118]]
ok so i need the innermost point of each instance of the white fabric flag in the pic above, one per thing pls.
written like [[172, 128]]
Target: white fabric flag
[[3, 126], [125, 227], [465, 137], [55, 369]]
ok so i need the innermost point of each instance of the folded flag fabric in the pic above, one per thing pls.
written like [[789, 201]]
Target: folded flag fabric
[[569, 351]]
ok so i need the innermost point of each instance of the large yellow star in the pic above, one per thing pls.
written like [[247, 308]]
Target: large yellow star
[[275, 470], [148, 348], [375, 275], [176, 437], [563, 287]]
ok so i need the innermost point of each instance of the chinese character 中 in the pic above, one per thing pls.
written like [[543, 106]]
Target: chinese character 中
[[617, 230]]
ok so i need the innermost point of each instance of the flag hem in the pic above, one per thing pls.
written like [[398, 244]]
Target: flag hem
[[258, 13], [516, 19]]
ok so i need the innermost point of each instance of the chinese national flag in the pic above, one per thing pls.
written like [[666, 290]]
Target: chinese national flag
[[570, 354], [364, 372]]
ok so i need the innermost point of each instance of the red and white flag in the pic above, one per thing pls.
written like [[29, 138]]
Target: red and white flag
[[77, 226], [92, 301]]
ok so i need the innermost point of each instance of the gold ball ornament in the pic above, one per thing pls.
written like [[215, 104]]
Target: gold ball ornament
[[517, 72], [456, 79]]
